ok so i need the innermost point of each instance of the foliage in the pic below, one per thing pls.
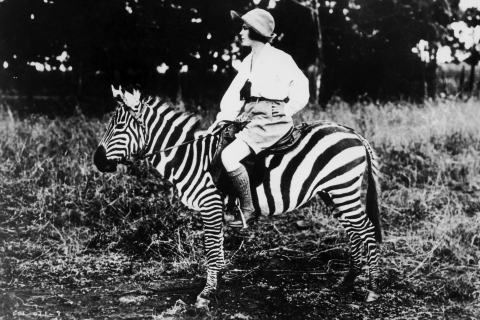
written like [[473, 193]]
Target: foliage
[[367, 46], [112, 42], [51, 187], [471, 19]]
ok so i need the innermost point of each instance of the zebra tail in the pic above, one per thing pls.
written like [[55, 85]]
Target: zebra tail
[[373, 190]]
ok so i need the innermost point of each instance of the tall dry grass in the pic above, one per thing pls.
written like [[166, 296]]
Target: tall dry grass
[[54, 203], [430, 157]]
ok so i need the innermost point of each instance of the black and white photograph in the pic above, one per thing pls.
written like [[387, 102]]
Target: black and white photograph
[[240, 159]]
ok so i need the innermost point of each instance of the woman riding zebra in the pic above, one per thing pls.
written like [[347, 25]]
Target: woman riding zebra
[[266, 80], [330, 160]]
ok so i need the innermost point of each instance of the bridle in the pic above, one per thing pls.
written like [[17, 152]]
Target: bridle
[[136, 117], [139, 121], [142, 154]]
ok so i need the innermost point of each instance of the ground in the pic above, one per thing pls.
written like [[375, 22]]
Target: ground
[[291, 281]]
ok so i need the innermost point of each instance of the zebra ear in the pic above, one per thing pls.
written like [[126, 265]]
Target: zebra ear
[[117, 93], [132, 100]]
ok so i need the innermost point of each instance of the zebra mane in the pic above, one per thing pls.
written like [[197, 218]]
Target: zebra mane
[[161, 106], [165, 107]]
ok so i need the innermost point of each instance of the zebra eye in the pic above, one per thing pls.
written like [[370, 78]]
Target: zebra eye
[[120, 126]]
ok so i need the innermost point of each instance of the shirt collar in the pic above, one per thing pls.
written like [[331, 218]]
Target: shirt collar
[[264, 50]]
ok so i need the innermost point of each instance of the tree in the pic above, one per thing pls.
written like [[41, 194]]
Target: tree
[[472, 19], [113, 41], [361, 48], [368, 46]]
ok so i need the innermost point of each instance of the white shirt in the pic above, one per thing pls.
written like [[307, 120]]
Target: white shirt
[[274, 76]]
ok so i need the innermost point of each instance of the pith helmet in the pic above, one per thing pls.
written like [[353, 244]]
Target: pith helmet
[[259, 20]]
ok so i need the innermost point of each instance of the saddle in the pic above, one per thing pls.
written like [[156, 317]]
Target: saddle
[[255, 164]]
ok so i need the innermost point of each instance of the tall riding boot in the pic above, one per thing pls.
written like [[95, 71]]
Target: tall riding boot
[[241, 183]]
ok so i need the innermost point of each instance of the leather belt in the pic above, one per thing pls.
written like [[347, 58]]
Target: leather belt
[[258, 99]]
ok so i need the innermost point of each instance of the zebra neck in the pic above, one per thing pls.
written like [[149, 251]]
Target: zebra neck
[[192, 160], [168, 130]]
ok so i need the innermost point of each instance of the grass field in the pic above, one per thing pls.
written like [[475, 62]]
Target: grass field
[[94, 239]]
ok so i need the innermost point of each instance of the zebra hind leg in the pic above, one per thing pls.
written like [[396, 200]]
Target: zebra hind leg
[[347, 283], [373, 256], [362, 237]]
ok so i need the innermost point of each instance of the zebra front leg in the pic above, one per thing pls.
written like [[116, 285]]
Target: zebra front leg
[[215, 260], [209, 292]]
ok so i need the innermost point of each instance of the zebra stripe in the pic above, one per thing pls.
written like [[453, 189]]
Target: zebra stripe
[[330, 159]]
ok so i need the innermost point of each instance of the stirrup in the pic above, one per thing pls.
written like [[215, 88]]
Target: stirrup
[[242, 222]]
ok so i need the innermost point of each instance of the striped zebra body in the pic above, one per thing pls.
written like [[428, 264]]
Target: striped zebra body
[[317, 163], [330, 159]]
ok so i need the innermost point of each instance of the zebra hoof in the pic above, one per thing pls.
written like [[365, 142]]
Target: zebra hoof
[[347, 284], [202, 303], [371, 296], [205, 298]]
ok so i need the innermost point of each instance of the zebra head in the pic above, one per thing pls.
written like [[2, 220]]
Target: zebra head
[[125, 135]]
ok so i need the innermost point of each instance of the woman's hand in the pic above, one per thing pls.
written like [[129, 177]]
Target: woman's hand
[[212, 127]]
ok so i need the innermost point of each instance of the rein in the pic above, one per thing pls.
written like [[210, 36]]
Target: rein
[[224, 125], [145, 156], [142, 155]]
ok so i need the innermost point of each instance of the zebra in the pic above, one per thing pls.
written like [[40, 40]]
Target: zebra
[[330, 161]]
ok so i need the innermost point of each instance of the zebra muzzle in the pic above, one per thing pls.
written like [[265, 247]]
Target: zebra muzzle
[[101, 161]]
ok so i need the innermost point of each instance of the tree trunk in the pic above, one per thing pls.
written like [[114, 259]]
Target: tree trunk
[[319, 62], [79, 81], [462, 82], [474, 58], [263, 4], [471, 78], [431, 75], [316, 70]]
